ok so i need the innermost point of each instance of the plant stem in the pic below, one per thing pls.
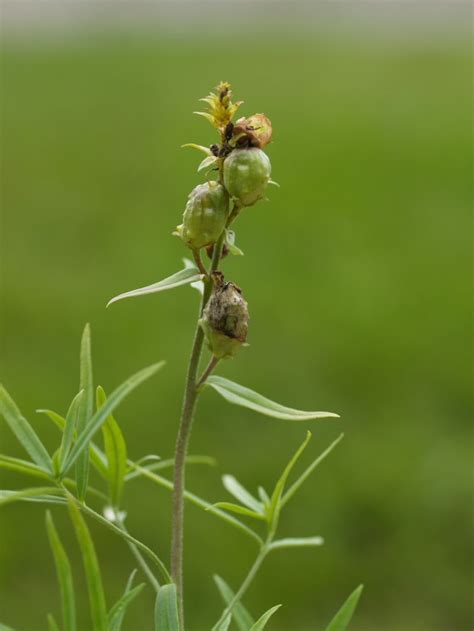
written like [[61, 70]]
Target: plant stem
[[210, 367], [184, 432], [245, 584]]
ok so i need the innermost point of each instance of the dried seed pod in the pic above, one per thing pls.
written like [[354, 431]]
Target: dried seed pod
[[205, 215], [225, 318], [246, 175], [254, 131]]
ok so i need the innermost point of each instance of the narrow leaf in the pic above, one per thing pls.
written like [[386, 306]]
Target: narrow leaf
[[240, 510], [224, 625], [166, 609], [115, 451], [207, 162], [183, 277], [24, 432], [263, 495], [117, 612], [296, 485], [22, 466], [261, 622], [92, 570], [112, 402], [64, 573], [70, 427], [84, 413], [3, 627], [240, 493], [296, 542], [341, 620], [52, 624], [168, 464], [36, 493], [241, 616], [275, 506], [230, 243], [239, 395], [192, 145]]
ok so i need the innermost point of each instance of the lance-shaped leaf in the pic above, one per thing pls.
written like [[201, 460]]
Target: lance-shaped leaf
[[296, 542], [237, 508], [240, 493], [70, 427], [115, 451], [166, 609], [22, 466], [84, 411], [46, 494], [230, 243], [52, 624], [64, 573], [242, 617], [3, 627], [341, 620], [201, 148], [225, 624], [112, 402], [261, 622], [92, 570], [116, 614], [24, 432], [183, 277], [207, 162], [239, 395]]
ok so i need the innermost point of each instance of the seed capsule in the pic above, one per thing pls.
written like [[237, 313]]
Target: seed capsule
[[225, 318], [205, 215], [254, 131], [246, 175]]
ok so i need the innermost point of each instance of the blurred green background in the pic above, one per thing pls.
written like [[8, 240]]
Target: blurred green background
[[357, 277]]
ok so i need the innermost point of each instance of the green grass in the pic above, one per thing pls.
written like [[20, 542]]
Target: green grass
[[355, 273]]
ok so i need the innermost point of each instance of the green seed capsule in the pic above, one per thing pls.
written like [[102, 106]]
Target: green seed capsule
[[205, 215], [225, 318], [246, 175]]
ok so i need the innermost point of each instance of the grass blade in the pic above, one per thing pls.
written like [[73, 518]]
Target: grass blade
[[115, 451], [85, 411], [112, 402], [239, 395], [296, 485], [341, 620], [234, 487], [242, 617], [166, 609], [70, 428], [183, 277], [92, 571], [261, 622], [22, 466], [24, 432], [63, 570]]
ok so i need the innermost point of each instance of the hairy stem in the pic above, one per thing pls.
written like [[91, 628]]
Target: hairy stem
[[184, 432], [210, 367]]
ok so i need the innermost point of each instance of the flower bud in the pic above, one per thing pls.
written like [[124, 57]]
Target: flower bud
[[246, 175], [225, 318], [205, 215], [254, 131]]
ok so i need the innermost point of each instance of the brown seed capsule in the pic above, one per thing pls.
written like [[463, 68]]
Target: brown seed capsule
[[225, 318], [254, 131]]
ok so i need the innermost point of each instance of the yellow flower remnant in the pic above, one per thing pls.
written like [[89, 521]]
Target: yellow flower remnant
[[221, 109]]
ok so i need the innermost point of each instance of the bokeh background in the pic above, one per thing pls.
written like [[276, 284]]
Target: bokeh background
[[357, 275]]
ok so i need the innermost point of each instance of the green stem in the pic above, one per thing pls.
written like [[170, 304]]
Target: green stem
[[184, 432]]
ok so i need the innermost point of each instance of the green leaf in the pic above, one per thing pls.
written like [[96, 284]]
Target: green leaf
[[341, 620], [92, 571], [192, 145], [84, 413], [183, 277], [112, 402], [117, 612], [263, 495], [240, 493], [22, 466], [70, 427], [37, 493], [52, 624], [238, 395], [115, 451], [96, 455], [207, 162], [237, 508], [274, 509], [24, 432], [296, 542], [224, 625], [63, 570], [261, 622], [166, 609], [230, 243], [296, 485], [241, 616], [3, 627], [168, 464]]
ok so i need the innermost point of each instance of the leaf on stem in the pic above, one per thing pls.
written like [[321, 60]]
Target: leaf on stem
[[207, 162], [22, 466], [183, 277], [239, 395], [166, 609], [237, 508], [240, 493], [230, 243], [262, 621], [64, 573], [117, 612], [24, 432], [115, 451], [242, 617], [46, 494], [112, 402], [52, 624], [192, 145], [70, 427], [84, 413], [342, 618], [296, 542], [92, 570]]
